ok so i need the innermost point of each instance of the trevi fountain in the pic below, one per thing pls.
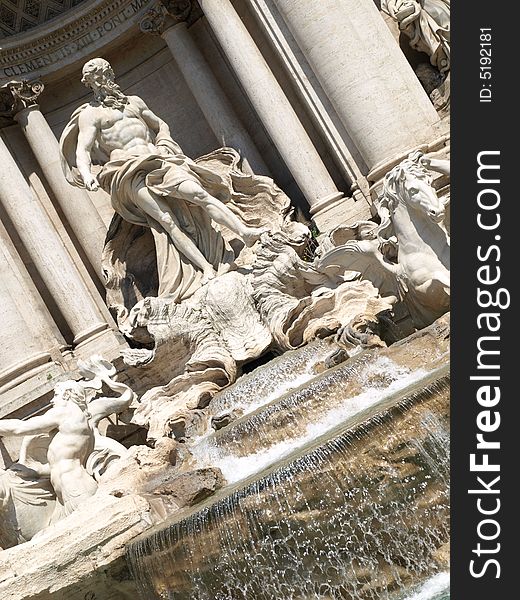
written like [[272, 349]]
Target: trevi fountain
[[225, 295]]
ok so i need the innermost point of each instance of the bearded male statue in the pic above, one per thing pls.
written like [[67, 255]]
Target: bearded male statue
[[152, 183]]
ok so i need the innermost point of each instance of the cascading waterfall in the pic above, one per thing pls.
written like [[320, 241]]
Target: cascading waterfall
[[260, 438], [269, 382], [361, 513]]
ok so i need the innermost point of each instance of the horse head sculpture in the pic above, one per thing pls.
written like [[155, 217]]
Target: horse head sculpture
[[410, 183], [408, 257]]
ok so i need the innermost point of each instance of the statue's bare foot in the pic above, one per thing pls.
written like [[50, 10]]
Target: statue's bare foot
[[253, 235], [208, 275]]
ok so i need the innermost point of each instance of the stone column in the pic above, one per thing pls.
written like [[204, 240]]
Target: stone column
[[204, 86], [270, 102], [365, 75], [75, 203], [28, 337], [55, 266]]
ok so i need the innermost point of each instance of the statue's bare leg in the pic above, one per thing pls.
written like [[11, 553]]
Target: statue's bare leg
[[218, 211], [158, 209]]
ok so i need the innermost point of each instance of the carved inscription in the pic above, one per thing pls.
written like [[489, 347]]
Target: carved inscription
[[99, 26]]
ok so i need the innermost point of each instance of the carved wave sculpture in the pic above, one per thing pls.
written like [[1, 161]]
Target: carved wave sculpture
[[273, 300]]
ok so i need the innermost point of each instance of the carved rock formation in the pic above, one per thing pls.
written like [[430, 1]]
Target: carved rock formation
[[274, 300]]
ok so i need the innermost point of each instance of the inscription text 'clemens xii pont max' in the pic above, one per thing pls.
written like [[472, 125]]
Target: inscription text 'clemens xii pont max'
[[76, 36]]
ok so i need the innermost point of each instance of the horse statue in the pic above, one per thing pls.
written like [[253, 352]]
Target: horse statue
[[406, 256]]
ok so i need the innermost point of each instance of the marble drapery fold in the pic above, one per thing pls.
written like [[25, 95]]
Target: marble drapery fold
[[427, 24]]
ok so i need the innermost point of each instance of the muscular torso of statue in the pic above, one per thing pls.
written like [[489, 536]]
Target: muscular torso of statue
[[67, 453], [120, 132]]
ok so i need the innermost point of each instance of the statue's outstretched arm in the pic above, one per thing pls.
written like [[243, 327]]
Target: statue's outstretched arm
[[41, 424], [436, 164], [86, 138], [156, 124], [103, 407]]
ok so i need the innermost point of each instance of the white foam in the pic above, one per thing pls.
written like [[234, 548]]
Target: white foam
[[285, 386], [235, 468], [436, 585]]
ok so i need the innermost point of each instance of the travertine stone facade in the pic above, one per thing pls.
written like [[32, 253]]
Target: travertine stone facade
[[76, 204], [317, 95], [374, 91], [30, 335], [210, 97], [270, 102], [53, 266]]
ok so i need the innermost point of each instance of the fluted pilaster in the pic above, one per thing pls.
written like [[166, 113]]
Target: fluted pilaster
[[75, 203]]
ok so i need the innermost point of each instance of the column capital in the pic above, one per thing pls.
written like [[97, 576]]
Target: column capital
[[167, 13], [25, 93], [156, 21], [179, 10], [18, 95], [183, 11]]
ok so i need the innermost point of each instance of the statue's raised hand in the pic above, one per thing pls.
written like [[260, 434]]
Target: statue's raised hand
[[96, 368], [425, 161], [91, 183]]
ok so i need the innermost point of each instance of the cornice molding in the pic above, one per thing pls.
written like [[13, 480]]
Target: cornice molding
[[90, 27]]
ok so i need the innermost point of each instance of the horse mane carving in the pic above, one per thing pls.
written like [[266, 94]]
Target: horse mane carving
[[395, 191]]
